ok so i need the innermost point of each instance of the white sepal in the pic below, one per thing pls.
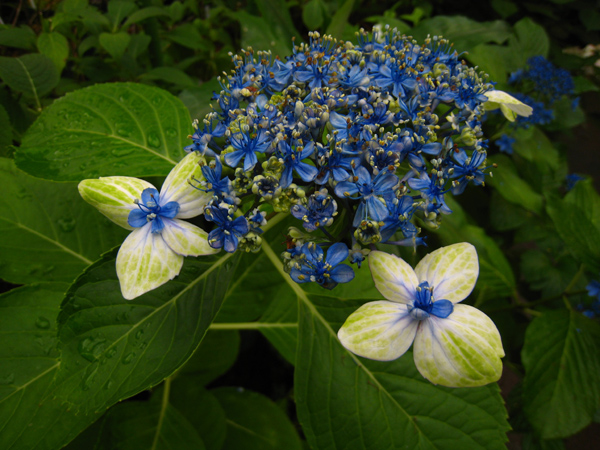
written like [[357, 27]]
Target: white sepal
[[463, 350], [393, 277], [114, 196], [451, 270], [177, 187], [379, 330], [145, 262], [510, 106], [186, 239]]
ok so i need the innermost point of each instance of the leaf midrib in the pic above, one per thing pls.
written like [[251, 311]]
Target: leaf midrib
[[304, 298]]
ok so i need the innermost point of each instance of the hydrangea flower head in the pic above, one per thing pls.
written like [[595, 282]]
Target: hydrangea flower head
[[455, 345], [153, 253]]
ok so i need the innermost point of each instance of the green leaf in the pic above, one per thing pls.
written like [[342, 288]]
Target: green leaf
[[463, 32], [313, 14], [6, 132], [188, 36], [197, 100], [347, 402], [490, 59], [533, 145], [169, 75], [590, 18], [550, 274], [257, 33], [215, 355], [107, 129], [561, 389], [530, 39], [583, 84], [118, 10], [112, 349], [33, 75], [277, 15], [49, 232], [143, 14], [279, 323], [580, 234], [340, 19], [254, 422], [55, 46], [584, 195], [29, 417], [511, 186], [138, 45], [21, 37], [115, 43]]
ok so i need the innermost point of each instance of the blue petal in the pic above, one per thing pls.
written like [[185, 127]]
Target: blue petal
[[240, 225], [231, 243], [215, 238], [342, 273], [442, 308], [137, 218], [250, 161], [377, 209], [298, 276], [337, 253], [345, 186], [286, 177], [233, 159], [170, 210], [150, 197], [306, 171], [157, 224]]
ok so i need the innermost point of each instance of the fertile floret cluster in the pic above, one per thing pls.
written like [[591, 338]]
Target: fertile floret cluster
[[355, 140]]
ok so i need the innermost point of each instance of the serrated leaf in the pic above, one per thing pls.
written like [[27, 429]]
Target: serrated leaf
[[561, 388], [584, 195], [47, 229], [254, 422], [580, 234], [55, 46], [465, 33], [115, 43], [347, 402], [33, 75], [112, 349], [107, 129], [511, 186]]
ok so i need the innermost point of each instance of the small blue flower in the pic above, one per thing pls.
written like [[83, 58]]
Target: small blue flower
[[246, 147], [369, 189], [292, 160], [572, 180], [150, 210], [228, 230], [319, 211], [327, 271]]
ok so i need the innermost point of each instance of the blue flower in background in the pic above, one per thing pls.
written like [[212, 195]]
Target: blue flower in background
[[505, 143], [228, 230], [246, 147]]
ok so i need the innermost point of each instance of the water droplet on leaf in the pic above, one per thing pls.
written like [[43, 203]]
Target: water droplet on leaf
[[7, 379], [91, 348], [66, 225], [139, 334], [128, 358], [153, 140], [42, 323], [122, 151]]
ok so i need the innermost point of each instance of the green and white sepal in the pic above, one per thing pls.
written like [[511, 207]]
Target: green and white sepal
[[510, 106], [147, 260], [460, 349]]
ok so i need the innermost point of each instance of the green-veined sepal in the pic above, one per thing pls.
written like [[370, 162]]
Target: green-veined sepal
[[510, 106]]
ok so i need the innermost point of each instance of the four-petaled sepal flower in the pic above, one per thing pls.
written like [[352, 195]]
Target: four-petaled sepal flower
[[153, 253], [454, 345]]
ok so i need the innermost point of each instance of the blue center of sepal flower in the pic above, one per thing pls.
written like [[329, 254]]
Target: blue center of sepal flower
[[424, 304], [151, 211]]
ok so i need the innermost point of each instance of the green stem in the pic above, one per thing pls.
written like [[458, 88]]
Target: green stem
[[274, 221], [163, 410]]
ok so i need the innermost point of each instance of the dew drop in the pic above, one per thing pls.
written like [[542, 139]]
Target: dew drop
[[110, 353], [42, 323], [128, 358], [171, 132], [108, 385], [123, 132], [88, 379], [66, 225], [22, 194], [153, 140], [139, 334], [121, 151], [7, 379], [157, 101], [91, 348]]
